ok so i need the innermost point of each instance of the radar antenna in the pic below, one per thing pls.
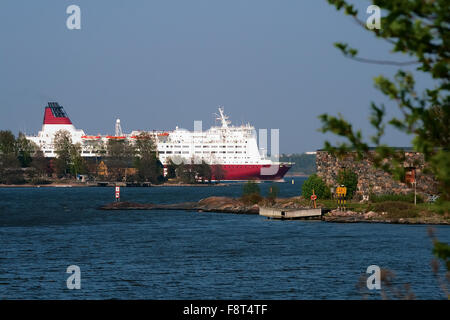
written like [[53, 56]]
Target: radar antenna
[[118, 129]]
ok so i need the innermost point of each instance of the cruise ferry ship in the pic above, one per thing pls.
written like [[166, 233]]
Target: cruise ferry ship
[[233, 149]]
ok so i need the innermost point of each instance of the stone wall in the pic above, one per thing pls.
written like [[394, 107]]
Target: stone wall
[[372, 180]]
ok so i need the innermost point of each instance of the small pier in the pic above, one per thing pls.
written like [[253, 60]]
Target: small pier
[[121, 184], [284, 213]]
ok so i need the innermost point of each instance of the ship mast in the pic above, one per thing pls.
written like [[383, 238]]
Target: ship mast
[[118, 128], [223, 118]]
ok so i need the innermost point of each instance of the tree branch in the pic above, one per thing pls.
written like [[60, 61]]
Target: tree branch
[[383, 62]]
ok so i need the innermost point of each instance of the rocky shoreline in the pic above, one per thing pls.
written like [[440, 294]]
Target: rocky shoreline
[[376, 217], [211, 204], [236, 206]]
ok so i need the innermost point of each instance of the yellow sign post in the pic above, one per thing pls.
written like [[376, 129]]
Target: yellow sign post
[[341, 193]]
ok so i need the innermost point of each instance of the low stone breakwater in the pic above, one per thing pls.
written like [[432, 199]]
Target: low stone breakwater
[[233, 205]]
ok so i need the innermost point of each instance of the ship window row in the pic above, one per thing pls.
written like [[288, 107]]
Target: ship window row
[[221, 152], [220, 146], [233, 142], [173, 146], [175, 152], [199, 146]]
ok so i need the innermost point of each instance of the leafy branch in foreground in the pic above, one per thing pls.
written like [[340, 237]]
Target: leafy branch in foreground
[[442, 252], [419, 29]]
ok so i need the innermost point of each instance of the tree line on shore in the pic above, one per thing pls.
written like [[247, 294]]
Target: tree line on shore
[[22, 161]]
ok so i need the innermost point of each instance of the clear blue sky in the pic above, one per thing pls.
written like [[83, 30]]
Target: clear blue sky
[[161, 63]]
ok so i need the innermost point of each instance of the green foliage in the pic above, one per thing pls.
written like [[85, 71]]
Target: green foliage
[[251, 193], [303, 163], [440, 206], [418, 29], [149, 169], [185, 173], [442, 251], [146, 161], [8, 152], [40, 163], [145, 145], [171, 169], [14, 178], [192, 173], [204, 172], [252, 198], [63, 149], [350, 180], [273, 191], [314, 182], [120, 155], [120, 149], [8, 160], [250, 187], [78, 163], [7, 142], [40, 181], [395, 197], [25, 150], [68, 159], [16, 153], [397, 209]]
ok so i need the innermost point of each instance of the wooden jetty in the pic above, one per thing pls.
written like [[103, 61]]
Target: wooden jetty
[[284, 213]]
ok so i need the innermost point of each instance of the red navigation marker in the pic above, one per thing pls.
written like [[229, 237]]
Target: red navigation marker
[[117, 193], [313, 199]]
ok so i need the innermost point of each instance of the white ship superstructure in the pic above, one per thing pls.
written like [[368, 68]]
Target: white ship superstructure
[[223, 144]]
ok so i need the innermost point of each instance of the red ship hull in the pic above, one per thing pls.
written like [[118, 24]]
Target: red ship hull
[[249, 171]]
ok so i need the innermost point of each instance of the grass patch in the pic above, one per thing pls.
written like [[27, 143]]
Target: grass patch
[[397, 209], [395, 197], [440, 207]]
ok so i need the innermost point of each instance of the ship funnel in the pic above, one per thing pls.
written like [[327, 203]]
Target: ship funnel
[[55, 114]]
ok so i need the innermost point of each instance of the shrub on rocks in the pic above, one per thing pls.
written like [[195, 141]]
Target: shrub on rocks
[[251, 194], [397, 209], [314, 182]]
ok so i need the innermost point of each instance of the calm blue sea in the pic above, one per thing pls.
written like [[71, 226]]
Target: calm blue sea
[[191, 255]]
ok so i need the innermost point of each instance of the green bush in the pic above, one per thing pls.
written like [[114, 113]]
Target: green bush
[[15, 178], [273, 192], [252, 198], [251, 194], [314, 182], [37, 181], [397, 209], [250, 187], [350, 180], [395, 197]]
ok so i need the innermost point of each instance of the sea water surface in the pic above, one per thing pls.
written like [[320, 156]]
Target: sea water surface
[[191, 255]]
